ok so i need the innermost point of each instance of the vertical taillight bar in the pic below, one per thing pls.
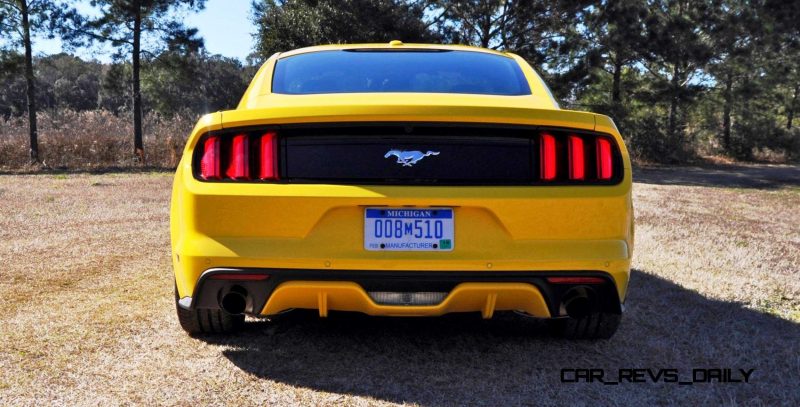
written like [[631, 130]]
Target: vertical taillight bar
[[239, 162], [209, 163], [268, 168], [605, 162], [547, 157], [577, 165]]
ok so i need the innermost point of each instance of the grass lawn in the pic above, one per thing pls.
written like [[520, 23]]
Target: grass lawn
[[88, 316]]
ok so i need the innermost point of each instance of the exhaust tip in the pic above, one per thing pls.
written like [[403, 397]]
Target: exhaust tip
[[579, 302], [234, 301]]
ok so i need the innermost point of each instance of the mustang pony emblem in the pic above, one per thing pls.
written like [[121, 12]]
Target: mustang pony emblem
[[409, 158]]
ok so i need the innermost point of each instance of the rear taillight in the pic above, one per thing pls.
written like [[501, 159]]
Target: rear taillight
[[605, 160], [267, 164], [239, 160], [547, 157], [576, 158], [577, 164], [209, 163], [239, 157]]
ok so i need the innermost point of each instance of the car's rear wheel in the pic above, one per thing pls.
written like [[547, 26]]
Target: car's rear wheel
[[596, 325], [207, 321]]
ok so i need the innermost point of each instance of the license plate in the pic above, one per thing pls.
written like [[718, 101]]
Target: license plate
[[409, 229]]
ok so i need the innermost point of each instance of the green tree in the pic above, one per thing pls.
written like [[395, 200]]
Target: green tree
[[68, 82], [484, 23], [12, 84], [542, 32], [193, 82], [791, 69], [678, 51], [114, 93], [122, 23], [20, 20], [284, 25], [616, 32], [737, 36], [784, 17]]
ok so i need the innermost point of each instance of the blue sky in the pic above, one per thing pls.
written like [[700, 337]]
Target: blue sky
[[224, 25]]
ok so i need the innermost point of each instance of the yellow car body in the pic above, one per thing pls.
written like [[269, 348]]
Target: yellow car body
[[304, 241]]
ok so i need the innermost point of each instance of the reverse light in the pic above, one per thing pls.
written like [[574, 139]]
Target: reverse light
[[576, 158], [423, 298], [547, 157], [209, 163], [239, 162]]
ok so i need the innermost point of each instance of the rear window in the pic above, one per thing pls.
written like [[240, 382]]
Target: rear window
[[369, 71]]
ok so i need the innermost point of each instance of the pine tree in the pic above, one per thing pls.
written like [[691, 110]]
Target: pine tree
[[284, 25], [678, 49], [122, 23], [21, 20]]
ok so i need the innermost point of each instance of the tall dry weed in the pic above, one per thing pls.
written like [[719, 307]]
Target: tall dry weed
[[93, 139]]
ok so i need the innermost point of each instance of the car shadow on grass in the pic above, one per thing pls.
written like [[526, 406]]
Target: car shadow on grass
[[512, 360], [723, 176]]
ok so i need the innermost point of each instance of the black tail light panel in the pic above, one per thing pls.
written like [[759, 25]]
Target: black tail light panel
[[460, 154]]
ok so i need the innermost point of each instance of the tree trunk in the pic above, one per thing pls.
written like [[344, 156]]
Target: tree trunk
[[31, 82], [672, 123], [616, 91], [726, 113], [138, 145], [792, 107], [616, 85], [486, 30]]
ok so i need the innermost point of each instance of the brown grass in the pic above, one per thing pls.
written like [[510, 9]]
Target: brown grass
[[87, 313], [93, 139]]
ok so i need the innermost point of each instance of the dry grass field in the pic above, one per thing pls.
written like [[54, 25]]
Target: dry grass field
[[87, 313], [92, 139]]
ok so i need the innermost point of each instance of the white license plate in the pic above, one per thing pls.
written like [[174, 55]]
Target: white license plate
[[409, 229]]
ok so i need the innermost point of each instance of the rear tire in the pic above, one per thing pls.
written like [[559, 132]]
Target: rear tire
[[597, 325], [207, 321]]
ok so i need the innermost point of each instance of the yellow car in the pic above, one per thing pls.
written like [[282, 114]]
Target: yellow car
[[402, 180]]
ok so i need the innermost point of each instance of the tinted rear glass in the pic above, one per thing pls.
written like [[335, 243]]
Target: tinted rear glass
[[399, 71]]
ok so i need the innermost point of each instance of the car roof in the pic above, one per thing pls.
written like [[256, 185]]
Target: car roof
[[393, 45]]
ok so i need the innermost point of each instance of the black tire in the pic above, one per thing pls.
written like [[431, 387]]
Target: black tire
[[207, 321], [597, 325]]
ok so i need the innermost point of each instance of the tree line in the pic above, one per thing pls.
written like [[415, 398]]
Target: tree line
[[679, 77], [171, 84]]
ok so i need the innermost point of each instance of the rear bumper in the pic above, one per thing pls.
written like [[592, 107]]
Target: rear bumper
[[314, 233], [349, 290], [335, 254]]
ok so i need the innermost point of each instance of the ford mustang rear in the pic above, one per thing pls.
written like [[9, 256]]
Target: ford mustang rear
[[402, 180]]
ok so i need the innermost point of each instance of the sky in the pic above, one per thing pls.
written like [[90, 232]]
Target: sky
[[224, 25]]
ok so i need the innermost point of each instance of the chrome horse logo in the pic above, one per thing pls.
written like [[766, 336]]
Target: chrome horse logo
[[409, 158]]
